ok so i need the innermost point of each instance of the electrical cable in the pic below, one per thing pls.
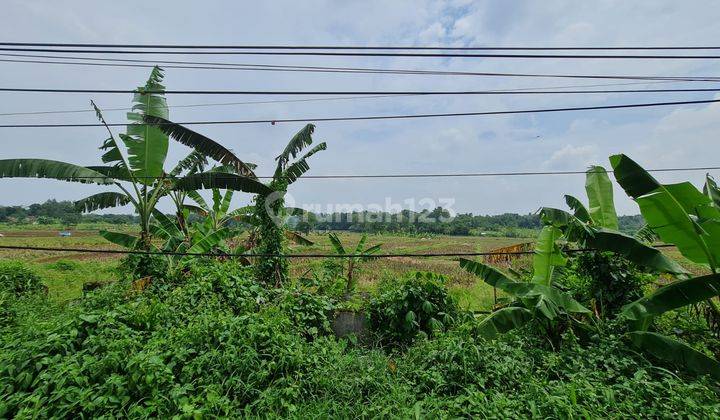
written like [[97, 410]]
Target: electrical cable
[[363, 70], [383, 117], [371, 54]]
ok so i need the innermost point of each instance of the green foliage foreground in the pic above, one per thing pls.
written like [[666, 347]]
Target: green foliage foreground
[[218, 344]]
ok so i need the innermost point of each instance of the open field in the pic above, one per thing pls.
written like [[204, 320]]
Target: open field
[[65, 280]]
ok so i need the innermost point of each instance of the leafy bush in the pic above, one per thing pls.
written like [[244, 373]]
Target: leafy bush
[[136, 266], [194, 349], [309, 312], [607, 280], [418, 304], [17, 279], [227, 284]]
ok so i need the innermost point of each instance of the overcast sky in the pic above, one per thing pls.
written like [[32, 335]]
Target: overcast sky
[[655, 137]]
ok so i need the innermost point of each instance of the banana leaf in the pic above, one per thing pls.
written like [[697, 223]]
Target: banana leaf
[[634, 250], [579, 209], [504, 320], [673, 296], [122, 239], [547, 255], [202, 144], [147, 146], [223, 181], [600, 195], [53, 169], [101, 200], [673, 351], [298, 142]]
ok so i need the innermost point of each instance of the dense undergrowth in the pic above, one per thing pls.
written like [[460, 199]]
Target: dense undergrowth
[[215, 343]]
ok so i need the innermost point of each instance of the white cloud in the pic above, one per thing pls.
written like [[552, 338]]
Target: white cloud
[[660, 137], [572, 157]]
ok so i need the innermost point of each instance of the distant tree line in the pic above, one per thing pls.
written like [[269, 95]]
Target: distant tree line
[[57, 212], [437, 221]]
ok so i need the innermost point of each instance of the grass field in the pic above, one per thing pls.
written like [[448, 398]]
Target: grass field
[[66, 272]]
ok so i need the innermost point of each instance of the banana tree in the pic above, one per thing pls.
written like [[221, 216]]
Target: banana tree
[[355, 257], [539, 299], [202, 238], [270, 210], [137, 172], [596, 226], [270, 207], [682, 215]]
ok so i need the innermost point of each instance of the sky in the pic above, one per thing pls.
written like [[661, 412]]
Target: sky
[[662, 137]]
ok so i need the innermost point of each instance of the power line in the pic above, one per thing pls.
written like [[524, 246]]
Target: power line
[[384, 117], [370, 54], [75, 111], [352, 47], [430, 175], [520, 91], [325, 69], [314, 255]]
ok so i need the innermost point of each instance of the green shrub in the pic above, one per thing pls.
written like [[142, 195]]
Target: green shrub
[[310, 312], [606, 281], [7, 312], [418, 304], [18, 279], [213, 346], [136, 266]]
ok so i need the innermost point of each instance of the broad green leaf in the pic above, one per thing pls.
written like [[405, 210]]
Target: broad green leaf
[[210, 241], [101, 200], [634, 250], [360, 244], [547, 255], [200, 143], [147, 145], [531, 292], [223, 181], [487, 273], [53, 169], [194, 162], [573, 228], [225, 204], [635, 180], [578, 208], [122, 239], [147, 149], [711, 190], [600, 195], [678, 213], [504, 320], [298, 142], [168, 224], [673, 296], [115, 172], [298, 168], [673, 351], [666, 217], [373, 249], [335, 241], [198, 199]]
